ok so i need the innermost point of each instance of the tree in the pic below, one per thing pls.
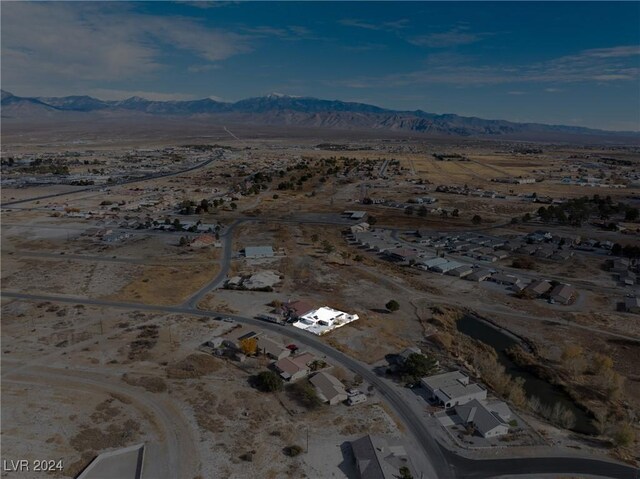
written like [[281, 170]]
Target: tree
[[305, 394], [392, 305], [408, 210], [405, 473], [417, 366], [177, 225], [275, 197], [631, 214], [314, 238], [476, 220], [526, 217], [233, 205], [183, 241], [204, 204], [422, 211], [455, 213], [372, 220], [249, 346], [268, 381]]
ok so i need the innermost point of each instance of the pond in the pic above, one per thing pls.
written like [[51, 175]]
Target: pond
[[548, 394]]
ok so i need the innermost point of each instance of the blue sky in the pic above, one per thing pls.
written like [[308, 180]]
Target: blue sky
[[574, 63]]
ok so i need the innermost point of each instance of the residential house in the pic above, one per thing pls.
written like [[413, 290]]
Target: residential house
[[461, 271], [538, 287], [322, 320], [401, 254], [295, 309], [375, 458], [563, 294], [272, 348], [452, 388], [479, 275], [487, 422], [432, 262], [294, 367], [506, 280], [446, 267], [329, 388]]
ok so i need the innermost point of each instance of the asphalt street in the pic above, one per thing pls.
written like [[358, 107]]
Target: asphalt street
[[446, 464]]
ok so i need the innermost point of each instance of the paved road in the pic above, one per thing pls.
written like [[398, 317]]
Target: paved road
[[99, 187], [225, 261], [446, 464]]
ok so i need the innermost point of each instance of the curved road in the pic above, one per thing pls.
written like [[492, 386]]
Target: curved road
[[446, 464]]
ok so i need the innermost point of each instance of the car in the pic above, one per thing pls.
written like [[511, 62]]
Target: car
[[227, 320], [292, 347]]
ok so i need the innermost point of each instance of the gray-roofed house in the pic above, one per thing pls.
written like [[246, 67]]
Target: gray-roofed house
[[376, 459], [329, 388], [446, 267], [538, 287], [486, 422], [452, 388], [432, 262], [272, 348], [479, 275], [258, 252], [460, 271], [563, 294]]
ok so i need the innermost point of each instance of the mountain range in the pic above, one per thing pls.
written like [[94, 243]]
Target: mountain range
[[277, 109]]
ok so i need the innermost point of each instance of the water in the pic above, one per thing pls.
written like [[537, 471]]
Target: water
[[547, 393]]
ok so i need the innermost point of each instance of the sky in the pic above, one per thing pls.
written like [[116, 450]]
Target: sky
[[572, 63]]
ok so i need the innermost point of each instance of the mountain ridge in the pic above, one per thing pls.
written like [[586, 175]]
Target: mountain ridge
[[279, 109]]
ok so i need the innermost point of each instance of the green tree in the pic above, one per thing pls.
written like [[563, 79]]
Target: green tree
[[233, 205], [314, 238], [631, 214], [183, 241], [372, 220], [408, 210], [476, 220], [417, 366], [268, 381], [392, 305], [405, 473], [422, 211]]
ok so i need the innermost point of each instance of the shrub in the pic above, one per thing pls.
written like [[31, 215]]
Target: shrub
[[392, 305], [293, 451], [304, 394], [267, 381]]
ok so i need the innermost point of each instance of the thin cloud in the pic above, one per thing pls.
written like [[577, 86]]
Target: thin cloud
[[71, 44], [599, 65], [451, 38], [394, 25]]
